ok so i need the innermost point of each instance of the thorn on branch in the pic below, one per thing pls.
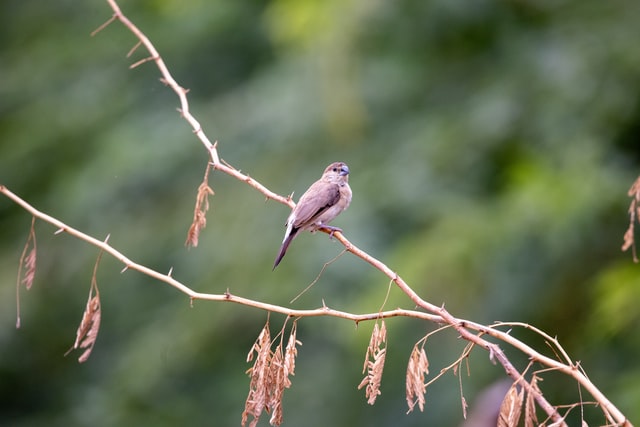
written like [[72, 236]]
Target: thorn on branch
[[134, 48], [105, 25], [225, 162], [142, 61]]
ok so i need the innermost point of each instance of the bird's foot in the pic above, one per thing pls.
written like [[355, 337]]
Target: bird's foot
[[332, 230]]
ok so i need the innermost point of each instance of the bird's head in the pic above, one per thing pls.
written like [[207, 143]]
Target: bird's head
[[336, 172]]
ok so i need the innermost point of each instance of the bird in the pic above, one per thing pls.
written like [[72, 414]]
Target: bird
[[320, 204]]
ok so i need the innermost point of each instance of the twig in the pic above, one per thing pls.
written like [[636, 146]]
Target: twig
[[61, 227], [324, 267]]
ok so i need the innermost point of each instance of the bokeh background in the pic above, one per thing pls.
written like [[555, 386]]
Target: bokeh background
[[491, 145]]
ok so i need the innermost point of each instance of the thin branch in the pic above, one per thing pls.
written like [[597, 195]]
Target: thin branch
[[549, 338], [465, 354], [194, 295], [324, 267], [184, 109]]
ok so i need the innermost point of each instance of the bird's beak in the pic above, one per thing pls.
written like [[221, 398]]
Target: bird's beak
[[344, 170]]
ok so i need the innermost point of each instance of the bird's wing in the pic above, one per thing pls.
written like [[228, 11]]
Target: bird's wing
[[317, 199]]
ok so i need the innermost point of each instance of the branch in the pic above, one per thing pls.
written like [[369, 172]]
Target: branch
[[184, 110], [194, 295], [470, 331], [435, 314]]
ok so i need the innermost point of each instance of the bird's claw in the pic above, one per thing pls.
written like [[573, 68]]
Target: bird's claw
[[332, 230]]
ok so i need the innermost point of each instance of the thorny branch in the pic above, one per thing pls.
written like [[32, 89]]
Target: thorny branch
[[470, 331], [184, 110]]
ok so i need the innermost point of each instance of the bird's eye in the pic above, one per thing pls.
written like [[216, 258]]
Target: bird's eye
[[335, 169]]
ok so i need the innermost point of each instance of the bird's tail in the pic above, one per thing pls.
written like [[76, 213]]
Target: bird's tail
[[283, 248]]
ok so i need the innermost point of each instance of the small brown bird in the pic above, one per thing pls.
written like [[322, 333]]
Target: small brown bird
[[320, 204]]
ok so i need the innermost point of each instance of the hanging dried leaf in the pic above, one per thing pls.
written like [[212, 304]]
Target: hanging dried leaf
[[278, 380], [290, 355], [200, 211], [260, 382], [511, 407], [530, 417], [417, 370], [26, 267], [634, 213], [30, 266], [464, 358], [87, 332], [374, 363], [269, 376], [465, 406]]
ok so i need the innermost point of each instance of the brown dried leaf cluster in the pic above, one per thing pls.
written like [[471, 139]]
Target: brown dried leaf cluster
[[417, 370], [634, 214], [200, 212], [531, 420], [89, 326], [26, 266], [269, 376], [374, 362], [87, 332], [511, 408]]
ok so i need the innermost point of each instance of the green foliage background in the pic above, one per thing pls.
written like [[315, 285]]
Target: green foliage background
[[491, 146]]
